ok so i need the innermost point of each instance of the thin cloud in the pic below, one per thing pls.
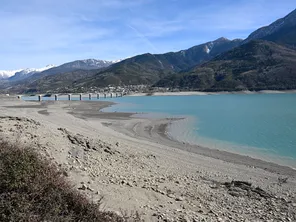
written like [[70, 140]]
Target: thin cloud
[[144, 38], [157, 28], [36, 33]]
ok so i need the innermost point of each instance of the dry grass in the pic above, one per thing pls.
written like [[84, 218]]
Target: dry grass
[[31, 189]]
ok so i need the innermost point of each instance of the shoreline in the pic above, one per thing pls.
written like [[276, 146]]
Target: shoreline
[[238, 150], [155, 130], [129, 161], [145, 125], [161, 126], [251, 160], [199, 93]]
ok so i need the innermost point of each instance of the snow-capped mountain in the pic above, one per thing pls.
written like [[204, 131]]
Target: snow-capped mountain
[[17, 74], [24, 73], [86, 64], [119, 60], [31, 70], [5, 74]]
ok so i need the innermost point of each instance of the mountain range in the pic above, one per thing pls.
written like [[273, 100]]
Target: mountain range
[[18, 74], [87, 64], [22, 74], [5, 74], [264, 60], [282, 31], [257, 65], [149, 68]]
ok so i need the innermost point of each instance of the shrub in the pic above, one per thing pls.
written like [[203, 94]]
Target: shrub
[[32, 189]]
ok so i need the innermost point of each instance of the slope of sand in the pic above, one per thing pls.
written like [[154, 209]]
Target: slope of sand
[[134, 167]]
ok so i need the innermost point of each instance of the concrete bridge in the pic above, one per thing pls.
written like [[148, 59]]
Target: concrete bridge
[[81, 96]]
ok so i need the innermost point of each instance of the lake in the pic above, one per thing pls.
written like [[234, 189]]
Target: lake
[[260, 125]]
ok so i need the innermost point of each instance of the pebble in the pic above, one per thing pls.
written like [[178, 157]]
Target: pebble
[[83, 187], [180, 199], [171, 195]]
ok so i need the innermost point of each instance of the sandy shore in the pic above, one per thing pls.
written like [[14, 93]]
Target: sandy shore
[[156, 130], [135, 167]]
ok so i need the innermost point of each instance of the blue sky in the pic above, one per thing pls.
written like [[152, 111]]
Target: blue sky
[[35, 33]]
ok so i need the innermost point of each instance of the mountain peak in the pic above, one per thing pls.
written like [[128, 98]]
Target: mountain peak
[[24, 73], [85, 64], [222, 39], [5, 74], [281, 31], [50, 66]]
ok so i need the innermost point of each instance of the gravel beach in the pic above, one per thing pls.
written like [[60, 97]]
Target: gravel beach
[[132, 164]]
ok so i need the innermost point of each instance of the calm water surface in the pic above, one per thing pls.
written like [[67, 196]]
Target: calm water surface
[[261, 124]]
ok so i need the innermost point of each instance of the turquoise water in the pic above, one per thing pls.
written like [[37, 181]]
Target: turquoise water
[[260, 124]]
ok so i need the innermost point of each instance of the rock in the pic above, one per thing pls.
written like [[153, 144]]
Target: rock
[[151, 156], [90, 189], [83, 187], [171, 196], [128, 184], [180, 199], [65, 173], [108, 150], [242, 188], [200, 211]]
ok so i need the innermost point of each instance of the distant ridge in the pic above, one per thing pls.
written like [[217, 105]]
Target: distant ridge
[[86, 64], [282, 31], [148, 68], [5, 74], [257, 65], [265, 60], [25, 73], [22, 73]]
